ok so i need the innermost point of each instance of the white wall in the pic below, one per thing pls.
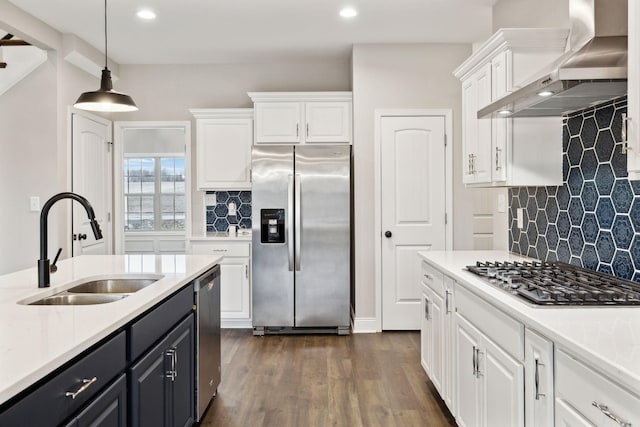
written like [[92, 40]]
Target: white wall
[[167, 92], [530, 14], [400, 76]]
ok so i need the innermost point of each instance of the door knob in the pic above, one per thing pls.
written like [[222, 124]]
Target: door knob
[[387, 234], [80, 236]]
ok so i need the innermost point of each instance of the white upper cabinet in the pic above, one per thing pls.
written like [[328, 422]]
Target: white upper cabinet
[[633, 94], [223, 148], [305, 117], [503, 151]]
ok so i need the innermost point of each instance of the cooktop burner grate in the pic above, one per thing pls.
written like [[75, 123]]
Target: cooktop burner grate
[[557, 283]]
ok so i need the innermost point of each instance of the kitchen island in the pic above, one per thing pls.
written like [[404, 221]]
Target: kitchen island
[[592, 367], [36, 340]]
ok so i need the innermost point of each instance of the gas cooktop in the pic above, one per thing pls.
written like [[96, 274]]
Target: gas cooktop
[[558, 284]]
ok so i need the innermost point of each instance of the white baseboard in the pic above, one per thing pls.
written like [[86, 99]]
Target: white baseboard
[[236, 324], [364, 325]]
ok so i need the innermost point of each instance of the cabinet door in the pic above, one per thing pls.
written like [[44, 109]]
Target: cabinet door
[[182, 405], [482, 161], [436, 311], [224, 153], [469, 132], [449, 355], [500, 85], [426, 333], [235, 292], [149, 391], [566, 416], [538, 356], [278, 122], [109, 409], [328, 122], [503, 386], [468, 390]]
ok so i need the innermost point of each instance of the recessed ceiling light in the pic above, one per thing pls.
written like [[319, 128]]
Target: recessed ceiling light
[[146, 14], [348, 12], [545, 93], [504, 112]]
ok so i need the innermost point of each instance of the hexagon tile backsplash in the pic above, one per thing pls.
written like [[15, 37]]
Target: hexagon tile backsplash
[[217, 216], [593, 219]]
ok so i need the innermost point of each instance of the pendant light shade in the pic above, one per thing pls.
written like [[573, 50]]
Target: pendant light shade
[[105, 99]]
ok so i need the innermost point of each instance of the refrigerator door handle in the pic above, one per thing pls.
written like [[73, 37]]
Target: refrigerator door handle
[[298, 215], [290, 229]]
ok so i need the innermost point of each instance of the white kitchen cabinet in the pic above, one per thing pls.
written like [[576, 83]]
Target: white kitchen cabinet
[[437, 356], [223, 148], [501, 151], [592, 398], [633, 93], [235, 280], [300, 118], [538, 355]]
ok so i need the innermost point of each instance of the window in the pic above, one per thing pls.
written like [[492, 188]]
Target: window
[[154, 194]]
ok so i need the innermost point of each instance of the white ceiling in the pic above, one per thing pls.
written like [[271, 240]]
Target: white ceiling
[[208, 31]]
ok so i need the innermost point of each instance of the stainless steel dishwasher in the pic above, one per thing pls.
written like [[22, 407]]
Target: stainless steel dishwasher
[[207, 303]]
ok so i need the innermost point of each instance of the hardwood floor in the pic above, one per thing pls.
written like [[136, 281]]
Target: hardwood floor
[[324, 380]]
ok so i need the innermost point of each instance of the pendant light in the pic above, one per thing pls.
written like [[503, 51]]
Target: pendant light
[[105, 99]]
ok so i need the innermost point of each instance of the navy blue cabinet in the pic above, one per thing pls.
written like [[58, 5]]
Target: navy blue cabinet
[[162, 381]]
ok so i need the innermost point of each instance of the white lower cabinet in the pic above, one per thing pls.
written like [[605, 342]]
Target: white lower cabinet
[[584, 397], [235, 280], [538, 356], [490, 382]]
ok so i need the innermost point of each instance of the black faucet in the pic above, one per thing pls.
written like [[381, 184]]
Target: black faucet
[[43, 262]]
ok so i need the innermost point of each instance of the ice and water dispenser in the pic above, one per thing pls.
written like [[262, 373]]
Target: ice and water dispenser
[[272, 225]]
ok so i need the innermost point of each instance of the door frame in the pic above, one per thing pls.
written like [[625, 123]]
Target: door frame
[[379, 114], [68, 238]]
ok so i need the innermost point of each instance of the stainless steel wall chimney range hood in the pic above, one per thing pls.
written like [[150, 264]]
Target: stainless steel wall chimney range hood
[[592, 70]]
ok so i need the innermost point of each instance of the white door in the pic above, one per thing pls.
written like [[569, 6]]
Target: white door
[[92, 178], [412, 176]]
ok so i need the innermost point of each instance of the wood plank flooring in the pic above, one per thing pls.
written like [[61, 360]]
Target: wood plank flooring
[[324, 380]]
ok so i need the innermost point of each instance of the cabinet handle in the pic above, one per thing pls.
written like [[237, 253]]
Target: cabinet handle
[[219, 250], [246, 271], [428, 277], [426, 308], [625, 124], [605, 410], [85, 385], [307, 130], [478, 373], [446, 302], [171, 373], [297, 130], [537, 379], [498, 167]]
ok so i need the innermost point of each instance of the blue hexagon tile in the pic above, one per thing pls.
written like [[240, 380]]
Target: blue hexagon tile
[[593, 219], [217, 216]]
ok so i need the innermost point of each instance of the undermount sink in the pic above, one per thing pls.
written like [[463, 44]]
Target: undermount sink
[[78, 299], [111, 286], [97, 291]]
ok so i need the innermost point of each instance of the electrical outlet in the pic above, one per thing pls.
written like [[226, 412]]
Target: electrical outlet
[[520, 217], [34, 203], [210, 199], [232, 209], [501, 203]]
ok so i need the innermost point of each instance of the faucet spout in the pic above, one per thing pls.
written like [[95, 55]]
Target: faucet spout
[[43, 262]]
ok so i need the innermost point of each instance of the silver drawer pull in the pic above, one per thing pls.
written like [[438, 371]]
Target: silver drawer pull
[[219, 250], [85, 385], [605, 410], [428, 277]]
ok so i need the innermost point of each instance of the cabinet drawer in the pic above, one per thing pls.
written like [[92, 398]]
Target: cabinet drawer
[[507, 332], [224, 249], [580, 386], [155, 324], [433, 278], [49, 405]]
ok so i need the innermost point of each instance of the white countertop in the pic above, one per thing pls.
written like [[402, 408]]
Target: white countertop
[[244, 235], [607, 338], [35, 340]]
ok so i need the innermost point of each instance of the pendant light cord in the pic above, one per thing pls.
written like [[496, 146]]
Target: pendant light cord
[[105, 34]]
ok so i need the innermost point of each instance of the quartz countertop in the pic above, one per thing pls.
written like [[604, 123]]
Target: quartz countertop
[[242, 235], [35, 340], [607, 338]]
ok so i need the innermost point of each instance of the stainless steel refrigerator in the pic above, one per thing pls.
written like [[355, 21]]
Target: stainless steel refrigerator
[[301, 207]]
